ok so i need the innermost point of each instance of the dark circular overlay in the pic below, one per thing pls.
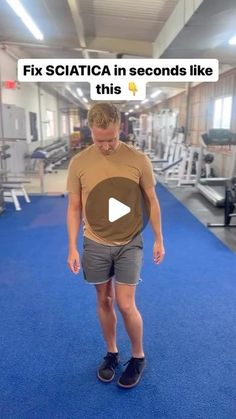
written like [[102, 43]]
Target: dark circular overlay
[[128, 193]]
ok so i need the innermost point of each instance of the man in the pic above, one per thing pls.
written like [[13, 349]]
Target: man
[[110, 253]]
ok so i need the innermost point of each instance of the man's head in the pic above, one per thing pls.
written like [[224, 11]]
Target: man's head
[[104, 122]]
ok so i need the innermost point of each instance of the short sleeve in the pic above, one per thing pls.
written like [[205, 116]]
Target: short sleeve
[[73, 179], [147, 179]]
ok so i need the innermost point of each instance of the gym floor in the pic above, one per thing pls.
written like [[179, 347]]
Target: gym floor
[[206, 212]]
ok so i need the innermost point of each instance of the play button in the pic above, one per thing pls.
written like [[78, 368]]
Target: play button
[[117, 210]]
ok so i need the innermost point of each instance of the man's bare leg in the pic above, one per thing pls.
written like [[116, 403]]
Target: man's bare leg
[[107, 314], [125, 298]]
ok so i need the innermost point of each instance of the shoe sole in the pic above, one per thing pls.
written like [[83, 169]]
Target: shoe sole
[[103, 380], [131, 385]]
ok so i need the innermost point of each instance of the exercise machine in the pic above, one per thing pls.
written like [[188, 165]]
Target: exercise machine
[[213, 188], [45, 159], [229, 206], [11, 187], [164, 132]]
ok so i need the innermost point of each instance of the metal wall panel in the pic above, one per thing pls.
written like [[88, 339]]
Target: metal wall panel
[[14, 125]]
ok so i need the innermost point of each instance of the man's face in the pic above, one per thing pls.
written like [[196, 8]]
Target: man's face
[[107, 139]]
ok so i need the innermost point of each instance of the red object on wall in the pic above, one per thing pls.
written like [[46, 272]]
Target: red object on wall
[[10, 84]]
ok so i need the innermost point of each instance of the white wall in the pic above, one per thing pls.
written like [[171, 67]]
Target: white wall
[[27, 96]]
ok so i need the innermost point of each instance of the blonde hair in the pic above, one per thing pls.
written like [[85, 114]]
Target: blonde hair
[[103, 114]]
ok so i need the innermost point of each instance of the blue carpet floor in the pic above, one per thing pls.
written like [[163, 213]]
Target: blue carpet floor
[[51, 341]]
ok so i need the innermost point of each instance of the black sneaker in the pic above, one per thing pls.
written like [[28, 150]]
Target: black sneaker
[[106, 371], [132, 373]]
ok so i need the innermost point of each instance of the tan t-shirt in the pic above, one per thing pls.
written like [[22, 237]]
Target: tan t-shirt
[[90, 167]]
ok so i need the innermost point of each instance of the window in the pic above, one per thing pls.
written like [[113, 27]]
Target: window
[[50, 124], [222, 112], [71, 124], [64, 124]]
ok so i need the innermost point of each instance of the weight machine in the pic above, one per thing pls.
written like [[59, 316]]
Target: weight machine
[[164, 132], [11, 187], [229, 206], [213, 188], [45, 159]]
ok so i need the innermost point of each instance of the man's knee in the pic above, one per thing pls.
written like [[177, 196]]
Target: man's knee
[[105, 302], [126, 307], [105, 295]]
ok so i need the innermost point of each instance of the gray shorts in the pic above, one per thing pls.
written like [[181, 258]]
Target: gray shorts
[[101, 262]]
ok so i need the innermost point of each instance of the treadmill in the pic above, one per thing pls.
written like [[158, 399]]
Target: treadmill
[[214, 188]]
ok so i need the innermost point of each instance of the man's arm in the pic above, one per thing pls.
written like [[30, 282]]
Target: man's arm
[[74, 213], [155, 221]]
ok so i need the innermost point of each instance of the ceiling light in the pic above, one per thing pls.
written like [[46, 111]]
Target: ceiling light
[[26, 19], [145, 101], [85, 100], [155, 94], [79, 91], [137, 106], [126, 113], [131, 110], [232, 40]]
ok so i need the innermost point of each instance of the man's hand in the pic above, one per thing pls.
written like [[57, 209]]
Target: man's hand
[[74, 261], [158, 252]]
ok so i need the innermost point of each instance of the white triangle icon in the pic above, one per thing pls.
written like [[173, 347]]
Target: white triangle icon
[[117, 210]]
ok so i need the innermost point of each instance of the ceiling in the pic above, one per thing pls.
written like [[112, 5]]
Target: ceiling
[[132, 28], [207, 33]]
